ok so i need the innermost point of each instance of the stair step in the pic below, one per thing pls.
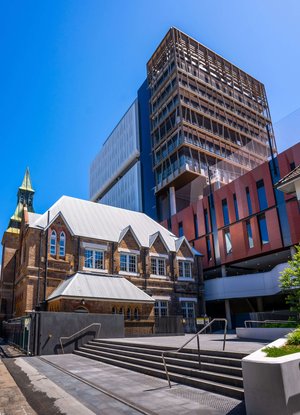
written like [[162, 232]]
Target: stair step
[[206, 356], [178, 360], [205, 384], [220, 353], [218, 377]]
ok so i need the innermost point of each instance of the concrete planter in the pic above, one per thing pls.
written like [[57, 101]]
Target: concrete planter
[[272, 385], [262, 333]]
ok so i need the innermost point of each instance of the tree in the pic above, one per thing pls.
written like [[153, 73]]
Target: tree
[[290, 282]]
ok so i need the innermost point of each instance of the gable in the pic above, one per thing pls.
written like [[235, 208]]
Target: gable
[[184, 250], [129, 241], [158, 247]]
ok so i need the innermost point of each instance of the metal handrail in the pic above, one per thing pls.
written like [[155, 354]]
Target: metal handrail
[[198, 345], [266, 322], [78, 332]]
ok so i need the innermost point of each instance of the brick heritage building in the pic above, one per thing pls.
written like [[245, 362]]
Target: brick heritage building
[[246, 231], [85, 256]]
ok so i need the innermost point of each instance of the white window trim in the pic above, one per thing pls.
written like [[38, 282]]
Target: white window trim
[[128, 251], [154, 254], [131, 274], [183, 258], [161, 298], [163, 277], [92, 246], [180, 278], [192, 299], [185, 279], [98, 270]]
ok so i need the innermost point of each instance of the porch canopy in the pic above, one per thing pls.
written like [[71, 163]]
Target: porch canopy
[[100, 287]]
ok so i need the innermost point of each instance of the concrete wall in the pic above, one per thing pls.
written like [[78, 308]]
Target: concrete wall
[[50, 326], [262, 333], [272, 385]]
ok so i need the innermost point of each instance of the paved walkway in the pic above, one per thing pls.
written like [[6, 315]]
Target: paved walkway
[[12, 401], [99, 388]]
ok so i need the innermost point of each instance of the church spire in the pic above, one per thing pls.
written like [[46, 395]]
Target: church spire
[[25, 198]]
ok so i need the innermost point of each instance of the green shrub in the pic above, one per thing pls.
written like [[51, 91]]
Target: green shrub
[[281, 351], [294, 338]]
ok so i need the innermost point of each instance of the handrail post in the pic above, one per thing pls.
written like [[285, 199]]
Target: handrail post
[[166, 370], [225, 333], [198, 345]]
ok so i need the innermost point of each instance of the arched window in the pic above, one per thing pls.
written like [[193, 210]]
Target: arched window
[[128, 314], [121, 310], [62, 244], [136, 314], [53, 243], [114, 311]]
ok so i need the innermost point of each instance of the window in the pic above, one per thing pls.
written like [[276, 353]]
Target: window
[[249, 201], [208, 248], [53, 243], [128, 263], [228, 244], [225, 212], [249, 233], [93, 259], [236, 209], [261, 193], [185, 269], [188, 309], [114, 310], [206, 221], [62, 244], [292, 165], [128, 314], [196, 226], [158, 266], [136, 314], [180, 229], [161, 308], [263, 230]]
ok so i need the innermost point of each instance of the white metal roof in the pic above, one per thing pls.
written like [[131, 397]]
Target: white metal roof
[[105, 287], [98, 221]]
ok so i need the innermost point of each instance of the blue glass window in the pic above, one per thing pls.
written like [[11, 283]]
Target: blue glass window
[[249, 233], [53, 243], [263, 229], [249, 201], [196, 226], [208, 247], [236, 209], [206, 221], [225, 212], [261, 193], [180, 229], [62, 244]]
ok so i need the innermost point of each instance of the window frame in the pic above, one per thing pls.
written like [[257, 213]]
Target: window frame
[[157, 260], [184, 263], [62, 248], [127, 270], [262, 219], [249, 234], [53, 237], [160, 305], [228, 250], [185, 309], [94, 259]]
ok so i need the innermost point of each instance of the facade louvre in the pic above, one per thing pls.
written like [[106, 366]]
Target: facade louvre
[[209, 120]]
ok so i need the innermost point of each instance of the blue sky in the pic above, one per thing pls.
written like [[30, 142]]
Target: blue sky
[[70, 69]]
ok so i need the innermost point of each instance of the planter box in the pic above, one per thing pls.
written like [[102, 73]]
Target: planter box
[[262, 333], [272, 385]]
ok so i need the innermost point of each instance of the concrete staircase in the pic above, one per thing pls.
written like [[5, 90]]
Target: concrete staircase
[[220, 372]]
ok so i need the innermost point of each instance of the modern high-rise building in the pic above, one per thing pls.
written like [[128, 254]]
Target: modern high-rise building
[[121, 173], [210, 121], [203, 122]]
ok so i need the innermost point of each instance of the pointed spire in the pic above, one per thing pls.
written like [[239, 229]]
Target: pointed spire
[[26, 183]]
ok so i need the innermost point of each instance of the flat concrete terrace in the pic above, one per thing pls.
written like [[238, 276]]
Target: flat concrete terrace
[[207, 342], [76, 385]]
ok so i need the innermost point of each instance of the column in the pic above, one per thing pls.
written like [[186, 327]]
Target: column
[[172, 200], [228, 314], [260, 304], [223, 271]]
